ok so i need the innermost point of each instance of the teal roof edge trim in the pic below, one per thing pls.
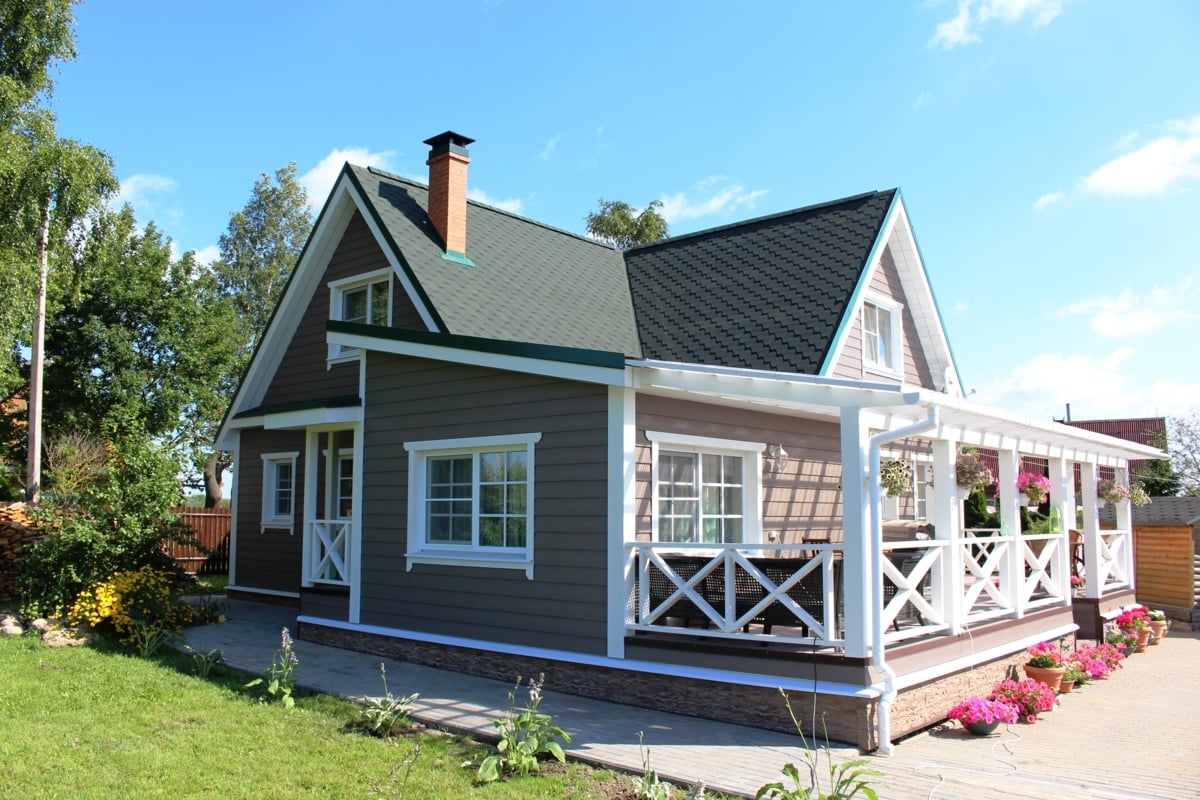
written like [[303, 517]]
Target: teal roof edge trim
[[848, 320], [541, 352], [396, 251]]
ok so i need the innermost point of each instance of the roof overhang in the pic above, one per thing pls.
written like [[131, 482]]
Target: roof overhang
[[886, 407]]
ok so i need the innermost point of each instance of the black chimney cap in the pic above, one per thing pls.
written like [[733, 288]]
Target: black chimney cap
[[448, 142]]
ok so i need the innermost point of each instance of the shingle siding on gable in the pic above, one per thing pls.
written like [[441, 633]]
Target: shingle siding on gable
[[303, 374], [564, 605]]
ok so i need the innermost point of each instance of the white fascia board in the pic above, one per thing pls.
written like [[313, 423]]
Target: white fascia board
[[759, 385], [526, 364], [313, 417], [323, 241]]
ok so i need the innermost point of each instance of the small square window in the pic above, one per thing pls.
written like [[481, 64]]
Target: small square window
[[279, 490], [365, 300]]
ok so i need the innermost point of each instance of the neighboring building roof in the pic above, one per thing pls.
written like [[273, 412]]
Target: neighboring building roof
[[1143, 430], [1162, 511], [530, 283], [769, 293]]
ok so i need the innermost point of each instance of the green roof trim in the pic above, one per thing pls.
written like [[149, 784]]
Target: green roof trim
[[346, 401], [458, 258], [541, 352]]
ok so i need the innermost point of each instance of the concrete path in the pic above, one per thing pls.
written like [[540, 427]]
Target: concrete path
[[1134, 735]]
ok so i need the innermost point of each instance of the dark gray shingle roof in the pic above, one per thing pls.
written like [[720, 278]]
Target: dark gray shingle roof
[[769, 293], [1168, 511], [530, 283]]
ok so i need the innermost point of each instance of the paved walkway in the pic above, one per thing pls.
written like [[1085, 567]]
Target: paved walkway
[[1134, 735]]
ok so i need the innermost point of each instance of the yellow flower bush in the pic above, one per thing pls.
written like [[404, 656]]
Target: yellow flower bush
[[138, 604]]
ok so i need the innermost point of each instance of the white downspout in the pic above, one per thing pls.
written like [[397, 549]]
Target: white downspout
[[877, 659]]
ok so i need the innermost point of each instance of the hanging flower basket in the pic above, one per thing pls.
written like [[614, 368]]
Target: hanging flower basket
[[970, 471], [895, 477], [1034, 488]]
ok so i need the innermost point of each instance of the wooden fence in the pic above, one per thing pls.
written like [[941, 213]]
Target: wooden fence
[[211, 527]]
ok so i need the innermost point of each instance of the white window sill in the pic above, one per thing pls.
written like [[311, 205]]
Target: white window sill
[[520, 560], [277, 525], [886, 372]]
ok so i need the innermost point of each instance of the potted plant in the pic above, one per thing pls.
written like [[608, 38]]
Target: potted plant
[[982, 715], [970, 471], [1029, 698], [1109, 491], [1135, 622], [1158, 625], [895, 477], [1034, 487], [1138, 495], [1074, 676], [1045, 664]]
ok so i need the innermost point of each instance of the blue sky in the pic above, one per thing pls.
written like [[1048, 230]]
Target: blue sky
[[1048, 151]]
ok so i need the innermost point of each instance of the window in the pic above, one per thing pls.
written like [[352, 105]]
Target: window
[[365, 299], [279, 490], [706, 490], [471, 501], [881, 336], [343, 502]]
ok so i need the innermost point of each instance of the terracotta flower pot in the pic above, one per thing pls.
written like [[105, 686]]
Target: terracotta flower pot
[[1051, 676], [1159, 626], [1065, 686]]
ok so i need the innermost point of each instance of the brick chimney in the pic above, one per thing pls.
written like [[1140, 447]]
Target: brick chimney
[[447, 163]]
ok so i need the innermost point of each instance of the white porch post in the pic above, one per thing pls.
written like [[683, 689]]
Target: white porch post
[[354, 556], [1062, 492], [622, 502], [856, 516], [1091, 530], [947, 525], [1124, 511], [312, 456], [1012, 566]]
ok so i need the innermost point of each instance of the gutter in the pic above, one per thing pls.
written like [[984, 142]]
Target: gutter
[[888, 694]]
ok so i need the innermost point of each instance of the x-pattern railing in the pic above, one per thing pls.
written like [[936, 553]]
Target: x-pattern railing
[[1039, 572], [330, 539], [1111, 556], [909, 587], [983, 561]]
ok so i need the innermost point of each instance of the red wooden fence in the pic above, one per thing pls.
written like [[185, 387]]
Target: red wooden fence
[[211, 527]]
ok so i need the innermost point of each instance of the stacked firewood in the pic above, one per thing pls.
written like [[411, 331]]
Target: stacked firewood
[[16, 536]]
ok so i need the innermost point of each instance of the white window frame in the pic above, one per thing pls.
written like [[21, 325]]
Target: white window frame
[[894, 367], [270, 486], [337, 292], [751, 454], [421, 551]]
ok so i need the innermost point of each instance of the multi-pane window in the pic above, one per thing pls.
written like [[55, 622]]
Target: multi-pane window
[[345, 486], [881, 336], [367, 304], [700, 497], [279, 490], [478, 499]]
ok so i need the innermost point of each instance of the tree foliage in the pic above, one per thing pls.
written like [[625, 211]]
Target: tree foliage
[[617, 224], [33, 34], [1183, 441]]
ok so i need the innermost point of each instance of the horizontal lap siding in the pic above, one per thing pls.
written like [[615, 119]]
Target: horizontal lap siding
[[267, 559], [886, 282], [803, 500], [563, 606], [303, 373], [1165, 570]]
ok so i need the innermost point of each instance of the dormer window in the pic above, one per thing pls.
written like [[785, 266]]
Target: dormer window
[[881, 336], [364, 299]]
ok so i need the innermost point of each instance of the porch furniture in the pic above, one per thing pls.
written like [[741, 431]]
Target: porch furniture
[[686, 567]]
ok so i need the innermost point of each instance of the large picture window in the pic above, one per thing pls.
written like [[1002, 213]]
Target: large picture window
[[706, 490], [471, 501]]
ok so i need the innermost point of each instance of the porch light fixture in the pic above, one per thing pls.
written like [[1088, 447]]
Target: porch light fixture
[[778, 455]]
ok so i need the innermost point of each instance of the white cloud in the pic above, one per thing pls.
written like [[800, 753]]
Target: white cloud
[[964, 27], [320, 179], [1047, 200], [1132, 313], [711, 196], [147, 194], [550, 146], [207, 255], [480, 196], [922, 99], [1155, 166]]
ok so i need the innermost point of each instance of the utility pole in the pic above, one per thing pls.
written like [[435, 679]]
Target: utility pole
[[33, 474]]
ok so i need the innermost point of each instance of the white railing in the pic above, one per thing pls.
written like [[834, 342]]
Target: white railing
[[330, 543], [1115, 558], [911, 582], [727, 589]]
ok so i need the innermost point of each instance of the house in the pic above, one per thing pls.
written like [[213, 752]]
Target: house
[[475, 441], [1166, 539]]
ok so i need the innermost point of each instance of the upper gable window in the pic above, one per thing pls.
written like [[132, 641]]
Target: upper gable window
[[365, 299], [881, 337]]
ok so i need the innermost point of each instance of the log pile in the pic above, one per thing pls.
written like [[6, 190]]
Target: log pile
[[16, 536]]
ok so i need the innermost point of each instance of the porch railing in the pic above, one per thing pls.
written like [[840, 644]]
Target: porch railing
[[330, 542]]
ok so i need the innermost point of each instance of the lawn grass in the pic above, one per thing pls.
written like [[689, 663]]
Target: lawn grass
[[212, 583], [91, 722]]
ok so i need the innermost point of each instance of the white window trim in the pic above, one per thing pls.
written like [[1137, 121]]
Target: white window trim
[[269, 518], [896, 311], [340, 353], [752, 469], [422, 552]]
